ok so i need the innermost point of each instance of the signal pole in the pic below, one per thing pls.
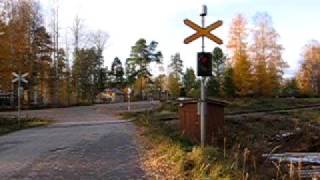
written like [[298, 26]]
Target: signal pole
[[19, 77], [203, 94], [204, 61]]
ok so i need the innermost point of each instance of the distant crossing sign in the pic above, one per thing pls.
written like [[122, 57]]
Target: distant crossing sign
[[19, 77], [203, 32]]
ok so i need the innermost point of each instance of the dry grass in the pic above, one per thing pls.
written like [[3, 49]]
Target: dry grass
[[262, 104], [167, 155], [8, 125], [274, 133]]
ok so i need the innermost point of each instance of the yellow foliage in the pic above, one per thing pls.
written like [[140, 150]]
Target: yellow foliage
[[173, 85], [308, 77], [140, 85]]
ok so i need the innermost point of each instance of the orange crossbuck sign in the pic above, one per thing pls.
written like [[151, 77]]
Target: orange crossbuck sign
[[203, 31]]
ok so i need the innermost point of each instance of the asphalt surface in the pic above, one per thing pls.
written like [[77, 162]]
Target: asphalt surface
[[87, 142]]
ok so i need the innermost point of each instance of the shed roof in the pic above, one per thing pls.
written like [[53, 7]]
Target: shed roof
[[208, 100]]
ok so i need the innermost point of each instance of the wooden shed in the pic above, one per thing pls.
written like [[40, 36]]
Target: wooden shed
[[190, 119]]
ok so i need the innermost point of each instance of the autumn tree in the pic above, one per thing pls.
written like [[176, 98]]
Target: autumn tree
[[161, 82], [308, 77], [237, 45], [26, 44], [266, 55], [5, 53], [174, 85], [140, 87]]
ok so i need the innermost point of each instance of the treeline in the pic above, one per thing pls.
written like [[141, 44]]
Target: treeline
[[65, 70], [257, 65], [252, 67], [59, 73]]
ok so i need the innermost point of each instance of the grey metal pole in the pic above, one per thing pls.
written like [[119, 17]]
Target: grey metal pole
[[202, 97], [19, 97], [129, 108]]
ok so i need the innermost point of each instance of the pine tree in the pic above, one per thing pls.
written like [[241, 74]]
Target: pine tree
[[137, 65], [176, 65], [189, 80], [229, 88], [117, 73], [83, 73], [218, 63], [214, 86]]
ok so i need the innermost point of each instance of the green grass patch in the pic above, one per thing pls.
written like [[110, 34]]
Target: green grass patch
[[8, 125]]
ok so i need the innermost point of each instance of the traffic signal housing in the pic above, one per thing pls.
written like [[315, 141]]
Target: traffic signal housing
[[204, 64]]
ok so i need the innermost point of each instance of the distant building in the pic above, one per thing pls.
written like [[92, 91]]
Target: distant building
[[5, 98], [110, 95]]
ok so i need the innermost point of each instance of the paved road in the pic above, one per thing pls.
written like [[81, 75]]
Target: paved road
[[86, 143]]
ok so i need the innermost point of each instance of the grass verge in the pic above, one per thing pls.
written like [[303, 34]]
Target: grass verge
[[8, 125], [168, 155]]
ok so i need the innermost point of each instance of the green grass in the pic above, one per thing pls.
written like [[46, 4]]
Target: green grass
[[8, 125]]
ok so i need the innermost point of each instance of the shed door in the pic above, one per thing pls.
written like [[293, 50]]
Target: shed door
[[191, 122]]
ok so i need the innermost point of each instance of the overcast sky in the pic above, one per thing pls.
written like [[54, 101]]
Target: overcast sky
[[297, 22]]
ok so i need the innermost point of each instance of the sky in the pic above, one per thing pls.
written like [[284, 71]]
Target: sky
[[126, 21]]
